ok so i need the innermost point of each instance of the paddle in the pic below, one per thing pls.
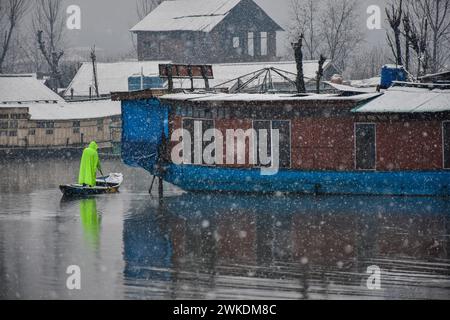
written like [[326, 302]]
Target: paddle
[[103, 176]]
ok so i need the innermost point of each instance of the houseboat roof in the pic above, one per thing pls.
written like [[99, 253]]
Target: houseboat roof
[[249, 97], [70, 110], [25, 88], [113, 77], [187, 15], [410, 98]]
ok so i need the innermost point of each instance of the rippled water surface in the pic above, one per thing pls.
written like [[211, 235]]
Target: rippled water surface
[[213, 246]]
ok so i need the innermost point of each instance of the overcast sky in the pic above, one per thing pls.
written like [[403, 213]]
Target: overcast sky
[[105, 23]]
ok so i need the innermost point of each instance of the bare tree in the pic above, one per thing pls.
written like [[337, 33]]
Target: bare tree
[[368, 60], [11, 13], [48, 25], [416, 33], [340, 30], [298, 47], [305, 14], [394, 14], [437, 13], [319, 72], [144, 7]]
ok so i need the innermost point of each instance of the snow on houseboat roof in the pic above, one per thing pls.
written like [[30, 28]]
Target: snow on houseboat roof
[[249, 97], [347, 88], [113, 77], [187, 15], [410, 98], [25, 88], [70, 110]]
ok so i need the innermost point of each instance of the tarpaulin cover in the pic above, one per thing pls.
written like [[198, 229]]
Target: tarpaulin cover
[[143, 125]]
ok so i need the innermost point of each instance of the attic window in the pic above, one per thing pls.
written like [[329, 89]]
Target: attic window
[[236, 42]]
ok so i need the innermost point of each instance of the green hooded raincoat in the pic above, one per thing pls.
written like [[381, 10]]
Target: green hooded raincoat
[[89, 165]]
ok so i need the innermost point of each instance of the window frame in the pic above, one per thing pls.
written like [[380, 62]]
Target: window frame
[[445, 122], [374, 124], [271, 145]]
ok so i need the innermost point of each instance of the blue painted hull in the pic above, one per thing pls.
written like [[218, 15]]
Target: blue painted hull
[[406, 183]]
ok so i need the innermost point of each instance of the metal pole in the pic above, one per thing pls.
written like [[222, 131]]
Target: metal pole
[[160, 190]]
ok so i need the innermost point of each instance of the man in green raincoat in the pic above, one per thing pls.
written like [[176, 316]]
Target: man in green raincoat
[[89, 165]]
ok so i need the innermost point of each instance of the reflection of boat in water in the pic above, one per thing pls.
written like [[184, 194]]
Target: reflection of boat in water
[[208, 240], [107, 184]]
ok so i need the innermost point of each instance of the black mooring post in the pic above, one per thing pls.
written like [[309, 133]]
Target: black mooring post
[[169, 77], [205, 77], [160, 190], [151, 186]]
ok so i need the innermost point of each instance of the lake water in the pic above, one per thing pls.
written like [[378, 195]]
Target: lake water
[[213, 246]]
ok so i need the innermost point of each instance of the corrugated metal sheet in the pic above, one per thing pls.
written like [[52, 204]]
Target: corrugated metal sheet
[[409, 99]]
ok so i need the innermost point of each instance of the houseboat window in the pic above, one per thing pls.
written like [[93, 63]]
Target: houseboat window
[[4, 116], [263, 125], [76, 130], [188, 124], [3, 133], [14, 124], [32, 132], [76, 123], [4, 125], [13, 133], [19, 116], [50, 131], [99, 128], [365, 145], [263, 43], [284, 130], [446, 138], [251, 44], [235, 42]]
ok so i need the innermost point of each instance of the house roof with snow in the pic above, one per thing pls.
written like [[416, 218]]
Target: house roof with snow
[[58, 111], [410, 98], [25, 88], [113, 77], [188, 15], [25, 91]]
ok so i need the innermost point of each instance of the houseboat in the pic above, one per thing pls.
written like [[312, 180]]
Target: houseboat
[[392, 143], [36, 120]]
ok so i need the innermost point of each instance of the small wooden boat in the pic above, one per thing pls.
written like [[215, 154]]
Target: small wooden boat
[[107, 184]]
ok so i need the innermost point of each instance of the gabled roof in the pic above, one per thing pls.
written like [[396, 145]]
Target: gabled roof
[[24, 88], [410, 99], [187, 15]]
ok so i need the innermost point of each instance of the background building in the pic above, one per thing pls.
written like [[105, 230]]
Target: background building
[[33, 116], [207, 31]]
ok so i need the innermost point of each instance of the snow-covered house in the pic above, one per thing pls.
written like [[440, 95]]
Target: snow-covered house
[[207, 31], [33, 116]]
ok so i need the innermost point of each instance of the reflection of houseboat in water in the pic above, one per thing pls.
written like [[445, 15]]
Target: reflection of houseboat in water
[[289, 245], [395, 143]]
